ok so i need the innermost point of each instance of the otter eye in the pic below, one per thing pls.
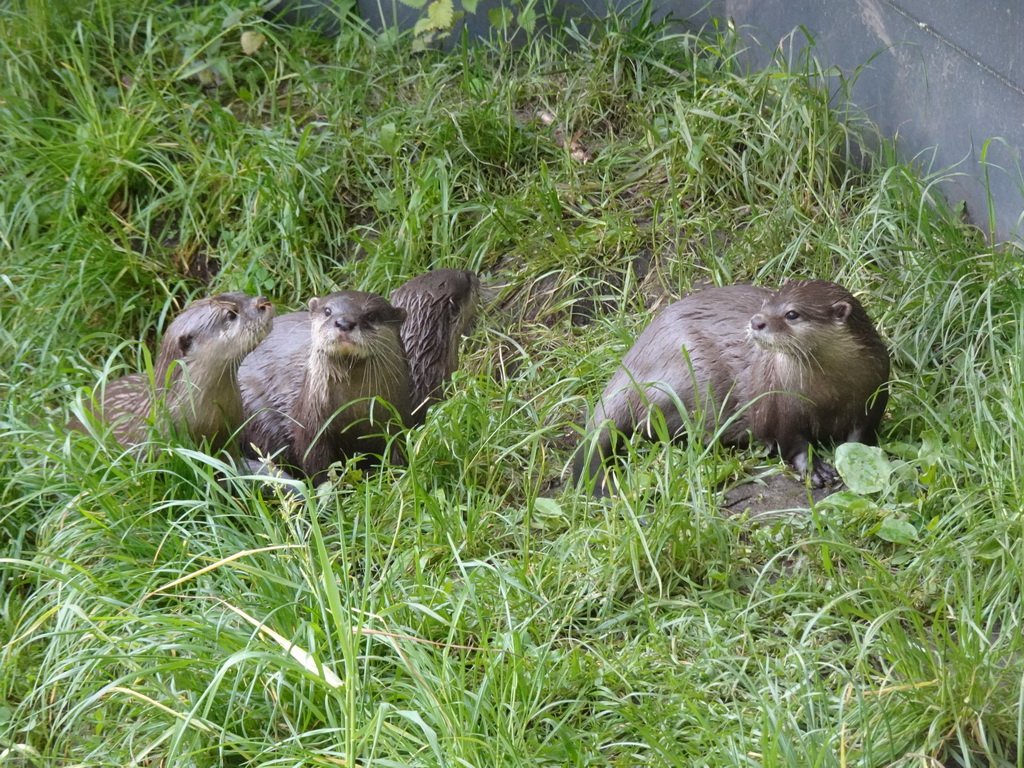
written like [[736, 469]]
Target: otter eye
[[792, 315], [327, 311], [232, 315], [372, 318]]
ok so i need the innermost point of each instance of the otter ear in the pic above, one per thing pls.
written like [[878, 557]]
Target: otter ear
[[313, 304], [841, 310], [185, 343]]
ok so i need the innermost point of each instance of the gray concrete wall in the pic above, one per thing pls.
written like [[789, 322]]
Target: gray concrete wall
[[944, 78]]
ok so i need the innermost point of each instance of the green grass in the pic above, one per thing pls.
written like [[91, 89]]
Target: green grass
[[468, 610]]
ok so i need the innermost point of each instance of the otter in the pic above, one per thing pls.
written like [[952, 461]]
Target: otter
[[441, 307], [794, 367], [342, 378], [195, 374], [328, 383]]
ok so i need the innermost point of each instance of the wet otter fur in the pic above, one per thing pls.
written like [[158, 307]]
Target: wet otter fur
[[328, 383], [791, 368], [441, 307], [341, 379]]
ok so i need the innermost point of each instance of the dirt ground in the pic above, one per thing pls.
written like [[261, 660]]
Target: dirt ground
[[774, 495]]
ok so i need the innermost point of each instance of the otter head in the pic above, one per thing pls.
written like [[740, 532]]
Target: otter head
[[219, 331], [443, 305], [810, 320], [353, 324]]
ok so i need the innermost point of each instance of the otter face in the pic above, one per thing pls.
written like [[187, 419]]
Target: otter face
[[244, 321], [221, 329], [804, 319], [349, 323]]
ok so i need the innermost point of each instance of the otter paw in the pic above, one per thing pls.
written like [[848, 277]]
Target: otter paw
[[823, 474]]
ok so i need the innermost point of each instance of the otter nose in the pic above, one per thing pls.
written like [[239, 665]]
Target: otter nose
[[344, 324], [758, 323]]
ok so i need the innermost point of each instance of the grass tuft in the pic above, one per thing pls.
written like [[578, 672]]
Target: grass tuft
[[470, 608]]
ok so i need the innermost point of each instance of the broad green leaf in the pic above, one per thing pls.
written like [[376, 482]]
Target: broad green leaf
[[545, 506], [499, 17], [234, 18], [897, 531], [440, 15], [846, 501], [527, 19], [865, 468], [387, 135]]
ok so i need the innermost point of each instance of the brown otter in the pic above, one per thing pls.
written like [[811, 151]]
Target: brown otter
[[340, 379], [441, 307], [195, 375], [794, 367], [328, 383]]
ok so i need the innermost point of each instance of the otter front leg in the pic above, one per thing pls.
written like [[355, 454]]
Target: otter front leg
[[820, 473], [612, 425], [623, 411]]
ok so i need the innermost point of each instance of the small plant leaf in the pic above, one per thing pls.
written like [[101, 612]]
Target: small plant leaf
[[252, 41], [896, 531], [234, 18], [388, 138], [527, 19], [384, 200], [440, 15], [469, 6], [546, 506], [499, 17], [865, 468], [846, 501]]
